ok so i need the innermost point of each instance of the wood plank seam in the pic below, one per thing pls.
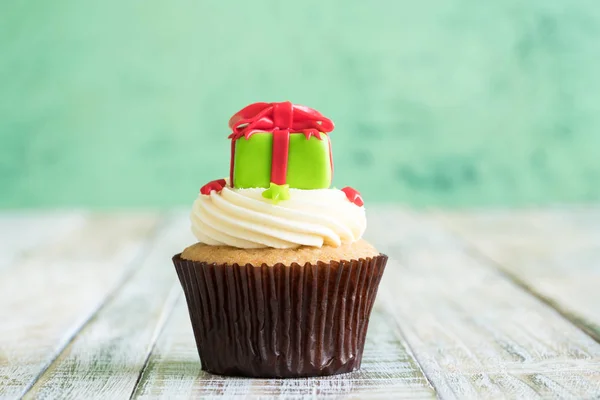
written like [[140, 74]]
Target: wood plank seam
[[588, 328], [439, 377], [166, 315], [573, 299], [130, 270], [399, 333], [474, 332], [441, 391]]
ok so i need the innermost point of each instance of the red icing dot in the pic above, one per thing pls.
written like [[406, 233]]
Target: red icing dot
[[217, 185], [354, 196]]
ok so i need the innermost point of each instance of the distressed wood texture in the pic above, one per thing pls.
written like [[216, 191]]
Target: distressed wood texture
[[553, 253], [472, 305], [476, 333], [47, 294], [108, 355]]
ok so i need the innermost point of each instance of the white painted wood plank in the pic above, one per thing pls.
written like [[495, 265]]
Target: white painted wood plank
[[21, 232], [554, 253], [388, 370], [53, 291], [106, 358], [475, 333]]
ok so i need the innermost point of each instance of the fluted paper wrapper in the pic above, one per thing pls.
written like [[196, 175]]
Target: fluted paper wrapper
[[280, 321]]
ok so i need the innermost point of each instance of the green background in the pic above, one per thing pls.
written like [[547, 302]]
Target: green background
[[448, 102]]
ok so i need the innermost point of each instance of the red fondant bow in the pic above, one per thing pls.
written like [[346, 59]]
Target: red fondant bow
[[284, 116], [216, 185], [353, 195]]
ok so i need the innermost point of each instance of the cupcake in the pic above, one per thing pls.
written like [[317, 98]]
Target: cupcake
[[280, 283]]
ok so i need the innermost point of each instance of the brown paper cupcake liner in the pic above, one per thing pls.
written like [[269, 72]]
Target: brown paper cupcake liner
[[280, 321]]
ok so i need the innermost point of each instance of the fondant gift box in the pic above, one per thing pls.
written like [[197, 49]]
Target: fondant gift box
[[278, 146]]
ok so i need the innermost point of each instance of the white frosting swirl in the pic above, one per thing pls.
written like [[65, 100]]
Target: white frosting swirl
[[243, 218]]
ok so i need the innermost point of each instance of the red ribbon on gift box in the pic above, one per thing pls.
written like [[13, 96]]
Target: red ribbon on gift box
[[281, 119], [284, 116]]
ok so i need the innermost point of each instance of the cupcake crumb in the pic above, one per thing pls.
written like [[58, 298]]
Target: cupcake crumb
[[269, 256]]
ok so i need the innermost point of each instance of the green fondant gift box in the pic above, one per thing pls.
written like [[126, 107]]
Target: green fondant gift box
[[278, 146]]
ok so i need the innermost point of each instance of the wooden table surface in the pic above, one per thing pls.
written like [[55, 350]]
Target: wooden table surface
[[474, 304]]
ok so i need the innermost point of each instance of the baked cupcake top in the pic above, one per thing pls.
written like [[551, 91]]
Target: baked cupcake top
[[277, 194]]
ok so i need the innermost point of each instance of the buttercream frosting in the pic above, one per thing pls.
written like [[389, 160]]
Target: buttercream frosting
[[243, 218]]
